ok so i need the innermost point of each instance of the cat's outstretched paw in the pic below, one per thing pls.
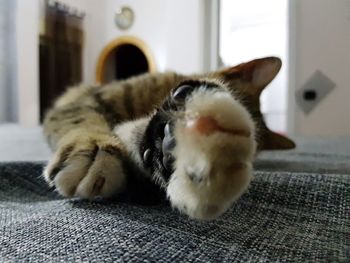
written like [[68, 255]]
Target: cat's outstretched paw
[[87, 165], [214, 149]]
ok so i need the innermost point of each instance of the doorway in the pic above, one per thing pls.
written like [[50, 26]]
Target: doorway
[[123, 58]]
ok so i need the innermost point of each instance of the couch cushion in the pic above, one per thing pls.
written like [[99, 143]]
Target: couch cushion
[[297, 209]]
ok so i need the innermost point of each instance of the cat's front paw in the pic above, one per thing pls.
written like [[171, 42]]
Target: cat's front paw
[[87, 165], [215, 147]]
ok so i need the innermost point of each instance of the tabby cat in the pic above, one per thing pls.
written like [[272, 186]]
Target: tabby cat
[[188, 139]]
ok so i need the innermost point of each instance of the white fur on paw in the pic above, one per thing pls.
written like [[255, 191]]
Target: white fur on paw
[[212, 170], [67, 180], [103, 177]]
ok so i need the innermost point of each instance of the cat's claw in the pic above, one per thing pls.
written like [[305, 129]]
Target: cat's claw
[[179, 94]]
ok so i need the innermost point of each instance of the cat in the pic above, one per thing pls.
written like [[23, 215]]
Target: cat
[[189, 139]]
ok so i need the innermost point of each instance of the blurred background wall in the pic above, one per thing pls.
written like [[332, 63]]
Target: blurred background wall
[[319, 50], [309, 97], [173, 31], [8, 90], [252, 29]]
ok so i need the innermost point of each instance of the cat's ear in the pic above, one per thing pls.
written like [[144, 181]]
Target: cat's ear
[[251, 78], [265, 70], [257, 73], [275, 141]]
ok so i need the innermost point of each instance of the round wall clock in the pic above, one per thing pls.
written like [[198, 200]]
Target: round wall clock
[[124, 18]]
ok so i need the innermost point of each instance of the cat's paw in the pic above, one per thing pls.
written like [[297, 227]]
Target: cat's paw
[[215, 147], [87, 165]]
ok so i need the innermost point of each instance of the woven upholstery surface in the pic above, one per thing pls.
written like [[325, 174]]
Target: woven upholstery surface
[[297, 209]]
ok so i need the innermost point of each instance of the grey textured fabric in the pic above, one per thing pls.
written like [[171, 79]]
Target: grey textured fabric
[[297, 209]]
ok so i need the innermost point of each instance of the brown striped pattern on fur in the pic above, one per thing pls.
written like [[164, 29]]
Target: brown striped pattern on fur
[[101, 108]]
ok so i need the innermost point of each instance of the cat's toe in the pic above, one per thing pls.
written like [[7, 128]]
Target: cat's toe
[[86, 172], [104, 177], [67, 168], [68, 179]]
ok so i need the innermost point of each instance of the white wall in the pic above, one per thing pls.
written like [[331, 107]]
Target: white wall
[[3, 65], [173, 30], [320, 40], [29, 15], [251, 29], [7, 65], [27, 47], [185, 35]]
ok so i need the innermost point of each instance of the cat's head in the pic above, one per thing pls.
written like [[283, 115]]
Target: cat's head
[[248, 80]]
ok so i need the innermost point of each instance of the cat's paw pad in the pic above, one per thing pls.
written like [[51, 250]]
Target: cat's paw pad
[[215, 147], [87, 166]]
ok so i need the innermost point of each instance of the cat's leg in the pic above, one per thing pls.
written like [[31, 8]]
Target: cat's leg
[[87, 164], [203, 157]]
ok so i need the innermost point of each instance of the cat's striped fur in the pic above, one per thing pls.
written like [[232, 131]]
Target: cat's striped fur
[[99, 135]]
